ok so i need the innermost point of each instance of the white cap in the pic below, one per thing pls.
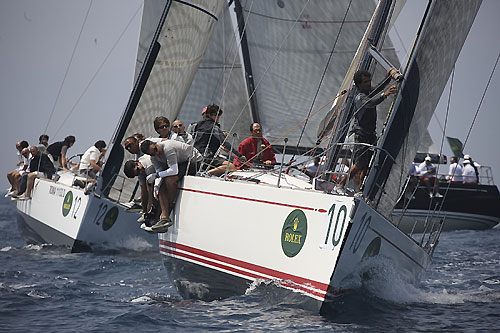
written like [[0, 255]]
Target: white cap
[[466, 161], [466, 157], [428, 158]]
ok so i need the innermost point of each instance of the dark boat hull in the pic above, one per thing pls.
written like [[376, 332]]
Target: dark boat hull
[[463, 207]]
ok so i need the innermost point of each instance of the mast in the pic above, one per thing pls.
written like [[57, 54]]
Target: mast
[[247, 65]]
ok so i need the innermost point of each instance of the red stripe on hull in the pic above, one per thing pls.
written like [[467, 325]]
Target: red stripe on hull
[[258, 272], [320, 210], [244, 273]]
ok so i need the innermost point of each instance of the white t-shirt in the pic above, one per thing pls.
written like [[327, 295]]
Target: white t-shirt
[[423, 167], [174, 152], [455, 172], [91, 154], [469, 174], [186, 138], [145, 160]]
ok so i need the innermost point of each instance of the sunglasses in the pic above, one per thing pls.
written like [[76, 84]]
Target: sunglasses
[[128, 146], [163, 127], [177, 126]]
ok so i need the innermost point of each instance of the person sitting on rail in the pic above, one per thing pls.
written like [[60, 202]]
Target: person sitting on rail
[[91, 162], [171, 160], [40, 166], [14, 176], [427, 173], [142, 169]]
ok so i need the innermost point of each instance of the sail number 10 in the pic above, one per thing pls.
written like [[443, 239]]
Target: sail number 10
[[333, 231]]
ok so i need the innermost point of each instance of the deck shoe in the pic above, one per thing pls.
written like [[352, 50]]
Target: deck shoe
[[438, 195], [79, 183], [23, 197], [147, 228], [162, 225], [339, 190], [359, 195], [10, 193]]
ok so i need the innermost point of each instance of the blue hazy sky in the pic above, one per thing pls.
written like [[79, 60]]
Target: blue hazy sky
[[37, 39]]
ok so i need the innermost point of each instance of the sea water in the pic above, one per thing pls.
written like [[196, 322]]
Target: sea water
[[44, 288]]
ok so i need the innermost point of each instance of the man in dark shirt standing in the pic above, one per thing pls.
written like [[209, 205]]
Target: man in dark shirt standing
[[365, 124], [58, 151], [208, 137]]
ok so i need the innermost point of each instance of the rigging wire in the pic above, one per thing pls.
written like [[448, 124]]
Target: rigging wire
[[68, 67], [441, 151], [468, 133], [294, 127], [221, 79], [269, 66], [324, 72], [98, 70], [481, 101]]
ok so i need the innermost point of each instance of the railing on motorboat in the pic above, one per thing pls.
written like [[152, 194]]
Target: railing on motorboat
[[485, 175]]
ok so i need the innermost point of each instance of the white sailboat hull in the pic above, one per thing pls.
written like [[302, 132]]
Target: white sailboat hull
[[227, 235], [63, 215]]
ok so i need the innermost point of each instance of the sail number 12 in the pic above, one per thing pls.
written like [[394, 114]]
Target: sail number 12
[[333, 231]]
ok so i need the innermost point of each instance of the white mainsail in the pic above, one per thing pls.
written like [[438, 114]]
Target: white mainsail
[[289, 45], [220, 80], [177, 48]]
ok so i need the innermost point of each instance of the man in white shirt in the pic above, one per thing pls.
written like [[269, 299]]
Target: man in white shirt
[[91, 163], [455, 171], [428, 175], [469, 173], [179, 133], [171, 160], [476, 166], [15, 176]]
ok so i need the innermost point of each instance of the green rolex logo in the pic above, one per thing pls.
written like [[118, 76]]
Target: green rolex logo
[[68, 201], [294, 232], [110, 218]]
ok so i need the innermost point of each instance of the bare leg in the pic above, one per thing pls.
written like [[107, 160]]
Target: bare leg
[[352, 172], [148, 203], [163, 198], [10, 177], [172, 191], [221, 169], [30, 183], [362, 174], [17, 180]]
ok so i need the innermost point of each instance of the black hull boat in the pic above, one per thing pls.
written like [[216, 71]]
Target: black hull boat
[[463, 206]]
